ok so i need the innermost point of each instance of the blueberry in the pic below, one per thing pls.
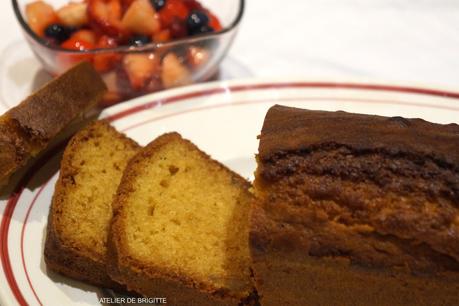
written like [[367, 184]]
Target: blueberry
[[58, 32], [202, 30], [196, 20], [139, 40], [158, 4]]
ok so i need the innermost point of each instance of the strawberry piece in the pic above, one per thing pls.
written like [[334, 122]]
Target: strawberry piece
[[178, 28], [86, 35], [67, 60], [173, 9], [214, 22], [140, 68], [126, 3], [162, 36], [173, 72], [106, 42], [73, 14], [76, 43], [105, 16], [141, 18], [104, 62], [39, 16]]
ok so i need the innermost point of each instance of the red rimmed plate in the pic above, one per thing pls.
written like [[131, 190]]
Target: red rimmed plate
[[223, 119]]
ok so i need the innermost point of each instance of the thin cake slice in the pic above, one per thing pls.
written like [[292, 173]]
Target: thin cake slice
[[180, 227], [81, 212], [27, 129]]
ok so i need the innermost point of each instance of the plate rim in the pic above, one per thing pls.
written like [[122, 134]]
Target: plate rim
[[265, 83]]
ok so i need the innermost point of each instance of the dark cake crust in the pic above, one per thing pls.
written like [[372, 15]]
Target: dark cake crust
[[373, 197], [290, 129], [67, 261], [28, 128]]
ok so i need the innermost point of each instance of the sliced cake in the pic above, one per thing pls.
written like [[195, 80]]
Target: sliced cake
[[27, 129], [180, 227], [356, 210], [81, 211]]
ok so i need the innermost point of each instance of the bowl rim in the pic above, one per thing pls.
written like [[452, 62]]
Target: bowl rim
[[131, 49]]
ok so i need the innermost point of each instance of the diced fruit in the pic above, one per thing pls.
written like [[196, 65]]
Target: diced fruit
[[39, 16], [198, 23], [197, 56], [153, 85], [173, 9], [67, 60], [214, 23], [111, 80], [158, 4], [173, 72], [75, 43], [113, 94], [126, 3], [162, 36], [196, 19], [178, 28], [73, 14], [141, 18], [58, 33], [140, 68], [106, 42], [121, 19], [139, 40], [105, 16], [106, 61], [83, 25], [86, 35]]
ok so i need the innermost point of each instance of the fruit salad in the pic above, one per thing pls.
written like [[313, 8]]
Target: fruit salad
[[93, 26]]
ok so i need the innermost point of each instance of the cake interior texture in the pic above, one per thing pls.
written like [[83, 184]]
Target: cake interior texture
[[356, 210], [81, 212], [182, 216]]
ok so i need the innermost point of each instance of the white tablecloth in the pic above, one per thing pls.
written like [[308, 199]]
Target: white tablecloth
[[408, 41]]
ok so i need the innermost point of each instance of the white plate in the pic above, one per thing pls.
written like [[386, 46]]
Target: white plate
[[224, 120]]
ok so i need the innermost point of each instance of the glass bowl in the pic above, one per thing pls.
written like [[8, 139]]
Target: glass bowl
[[178, 62]]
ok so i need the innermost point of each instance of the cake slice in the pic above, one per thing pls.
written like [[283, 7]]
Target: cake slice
[[180, 227], [27, 129], [81, 211], [356, 210]]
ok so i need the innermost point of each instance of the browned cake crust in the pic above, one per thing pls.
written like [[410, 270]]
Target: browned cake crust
[[356, 210], [67, 261], [60, 255], [155, 281], [28, 128]]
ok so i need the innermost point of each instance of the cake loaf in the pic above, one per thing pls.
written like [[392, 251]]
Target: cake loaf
[[27, 129], [81, 211], [356, 210], [180, 227]]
